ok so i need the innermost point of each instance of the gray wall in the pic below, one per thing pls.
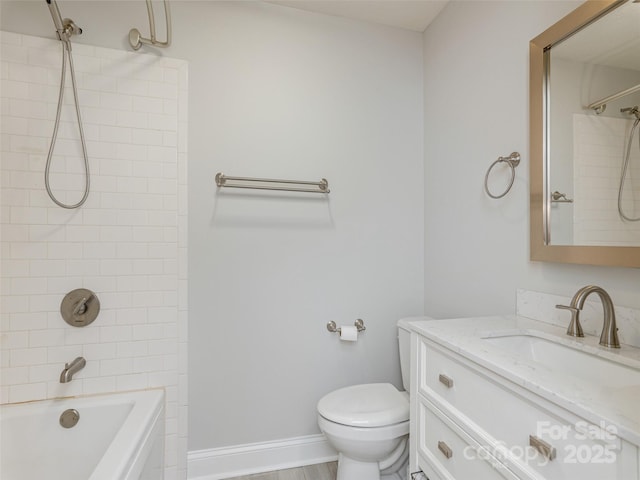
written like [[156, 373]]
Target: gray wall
[[289, 94], [476, 108], [277, 92]]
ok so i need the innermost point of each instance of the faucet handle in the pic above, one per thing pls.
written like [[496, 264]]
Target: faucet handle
[[575, 328]]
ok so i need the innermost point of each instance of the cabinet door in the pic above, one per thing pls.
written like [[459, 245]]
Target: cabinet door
[[516, 428], [445, 449]]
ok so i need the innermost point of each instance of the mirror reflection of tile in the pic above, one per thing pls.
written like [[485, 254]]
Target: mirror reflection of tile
[[599, 145]]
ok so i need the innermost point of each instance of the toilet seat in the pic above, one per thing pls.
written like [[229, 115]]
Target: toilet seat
[[368, 405]]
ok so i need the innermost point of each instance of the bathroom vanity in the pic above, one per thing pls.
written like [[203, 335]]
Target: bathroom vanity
[[507, 397]]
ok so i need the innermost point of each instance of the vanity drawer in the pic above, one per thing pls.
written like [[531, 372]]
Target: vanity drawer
[[528, 435], [495, 409], [444, 449]]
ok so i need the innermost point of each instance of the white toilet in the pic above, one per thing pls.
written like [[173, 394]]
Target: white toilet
[[369, 424]]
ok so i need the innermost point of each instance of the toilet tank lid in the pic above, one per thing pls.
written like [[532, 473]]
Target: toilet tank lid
[[367, 405]]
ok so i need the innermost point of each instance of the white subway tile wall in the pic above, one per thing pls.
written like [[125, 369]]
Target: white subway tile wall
[[128, 243], [599, 147]]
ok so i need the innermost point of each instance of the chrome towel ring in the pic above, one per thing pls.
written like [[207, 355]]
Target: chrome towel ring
[[513, 161]]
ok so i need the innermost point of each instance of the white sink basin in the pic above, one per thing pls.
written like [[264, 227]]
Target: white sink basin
[[570, 361]]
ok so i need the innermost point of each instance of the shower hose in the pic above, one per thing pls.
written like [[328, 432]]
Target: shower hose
[[623, 175], [66, 51]]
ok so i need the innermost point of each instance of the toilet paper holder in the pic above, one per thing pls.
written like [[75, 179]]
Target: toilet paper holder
[[333, 328]]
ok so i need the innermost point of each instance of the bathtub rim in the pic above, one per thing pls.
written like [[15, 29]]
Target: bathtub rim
[[125, 448]]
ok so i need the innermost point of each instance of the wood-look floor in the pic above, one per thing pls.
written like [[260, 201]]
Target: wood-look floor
[[322, 471]]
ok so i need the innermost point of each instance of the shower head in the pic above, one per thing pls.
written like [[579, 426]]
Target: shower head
[[64, 27]]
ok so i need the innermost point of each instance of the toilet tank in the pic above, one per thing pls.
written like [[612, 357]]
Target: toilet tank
[[404, 347]]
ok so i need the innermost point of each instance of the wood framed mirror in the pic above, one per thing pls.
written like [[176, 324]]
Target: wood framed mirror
[[588, 59]]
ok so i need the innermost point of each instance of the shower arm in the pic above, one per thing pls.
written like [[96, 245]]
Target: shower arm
[[137, 40]]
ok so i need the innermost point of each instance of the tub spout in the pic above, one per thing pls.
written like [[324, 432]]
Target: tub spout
[[70, 369]]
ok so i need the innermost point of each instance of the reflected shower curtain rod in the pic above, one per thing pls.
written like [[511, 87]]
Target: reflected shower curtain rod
[[601, 105], [259, 184]]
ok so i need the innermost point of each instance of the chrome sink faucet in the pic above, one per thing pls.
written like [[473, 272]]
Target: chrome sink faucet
[[70, 369], [609, 335]]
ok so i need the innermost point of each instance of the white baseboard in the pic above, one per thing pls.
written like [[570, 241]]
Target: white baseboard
[[229, 462]]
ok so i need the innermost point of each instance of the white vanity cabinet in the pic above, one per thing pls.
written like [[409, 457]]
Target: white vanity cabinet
[[469, 423]]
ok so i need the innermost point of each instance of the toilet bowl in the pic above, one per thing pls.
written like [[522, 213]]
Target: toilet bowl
[[368, 425]]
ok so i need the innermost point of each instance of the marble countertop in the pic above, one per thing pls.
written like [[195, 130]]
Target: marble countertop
[[615, 406]]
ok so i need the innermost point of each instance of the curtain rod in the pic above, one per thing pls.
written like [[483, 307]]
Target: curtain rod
[[601, 105]]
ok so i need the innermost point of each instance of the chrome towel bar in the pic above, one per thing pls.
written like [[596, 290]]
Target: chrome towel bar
[[223, 180]]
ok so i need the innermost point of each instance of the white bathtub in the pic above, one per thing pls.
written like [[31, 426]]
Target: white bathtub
[[118, 437]]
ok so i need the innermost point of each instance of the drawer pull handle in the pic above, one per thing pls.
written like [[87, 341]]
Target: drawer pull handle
[[448, 382], [543, 447], [444, 448]]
